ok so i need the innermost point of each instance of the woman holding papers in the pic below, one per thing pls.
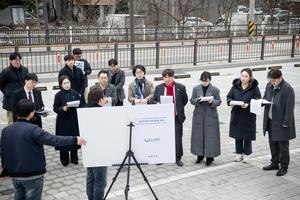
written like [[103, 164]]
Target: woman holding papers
[[242, 122], [96, 176], [205, 141], [141, 90], [66, 120]]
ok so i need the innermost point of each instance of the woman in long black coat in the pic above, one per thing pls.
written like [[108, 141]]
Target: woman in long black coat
[[243, 122], [66, 120]]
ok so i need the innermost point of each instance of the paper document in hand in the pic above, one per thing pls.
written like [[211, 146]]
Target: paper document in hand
[[263, 101], [108, 104], [237, 103], [80, 65], [206, 98], [73, 103], [44, 110], [166, 99], [255, 106]]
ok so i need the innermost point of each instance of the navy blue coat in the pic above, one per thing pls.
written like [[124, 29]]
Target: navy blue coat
[[242, 121], [38, 103]]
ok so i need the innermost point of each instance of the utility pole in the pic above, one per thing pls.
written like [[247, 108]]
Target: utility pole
[[251, 17], [46, 25], [131, 34]]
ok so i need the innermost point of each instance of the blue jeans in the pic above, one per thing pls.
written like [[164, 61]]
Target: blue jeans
[[28, 189], [96, 182]]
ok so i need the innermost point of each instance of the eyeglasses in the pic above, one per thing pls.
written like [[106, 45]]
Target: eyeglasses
[[272, 80], [17, 60]]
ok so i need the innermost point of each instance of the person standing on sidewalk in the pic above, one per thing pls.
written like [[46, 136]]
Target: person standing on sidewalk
[[180, 99], [12, 78], [66, 119], [86, 68], [23, 155], [34, 95], [78, 81], [279, 121], [109, 90], [140, 90], [116, 77], [242, 122], [96, 178], [205, 139]]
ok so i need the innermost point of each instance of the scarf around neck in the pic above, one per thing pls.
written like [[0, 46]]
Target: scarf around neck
[[141, 90]]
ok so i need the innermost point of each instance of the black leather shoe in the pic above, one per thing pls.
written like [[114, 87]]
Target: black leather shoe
[[272, 166], [179, 163], [199, 159], [74, 162], [209, 161], [281, 172]]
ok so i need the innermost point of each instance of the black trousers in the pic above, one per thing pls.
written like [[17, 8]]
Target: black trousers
[[243, 146], [119, 103], [279, 149], [178, 139]]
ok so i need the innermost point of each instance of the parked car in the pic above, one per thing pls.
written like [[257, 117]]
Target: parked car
[[195, 21], [32, 19], [281, 15], [5, 40]]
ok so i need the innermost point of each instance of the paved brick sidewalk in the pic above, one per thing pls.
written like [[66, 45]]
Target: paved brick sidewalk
[[224, 179]]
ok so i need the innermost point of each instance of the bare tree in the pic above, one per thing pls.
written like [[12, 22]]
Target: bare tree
[[268, 6]]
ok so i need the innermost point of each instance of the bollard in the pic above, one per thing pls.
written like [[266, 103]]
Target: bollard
[[164, 50], [273, 45], [97, 53], [221, 49], [58, 56], [247, 45], [297, 43]]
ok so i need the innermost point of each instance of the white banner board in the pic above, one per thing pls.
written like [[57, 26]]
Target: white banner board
[[107, 133]]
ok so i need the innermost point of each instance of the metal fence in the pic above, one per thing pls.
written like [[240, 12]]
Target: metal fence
[[83, 35], [159, 53]]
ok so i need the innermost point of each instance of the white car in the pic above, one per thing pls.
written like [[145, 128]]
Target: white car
[[194, 21], [5, 40]]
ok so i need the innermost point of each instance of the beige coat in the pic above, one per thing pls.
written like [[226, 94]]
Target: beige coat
[[131, 92]]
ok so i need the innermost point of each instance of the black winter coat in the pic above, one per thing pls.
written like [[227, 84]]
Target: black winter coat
[[243, 122], [66, 121], [78, 81], [11, 79]]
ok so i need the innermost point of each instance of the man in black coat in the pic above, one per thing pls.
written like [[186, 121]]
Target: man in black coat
[[180, 99], [86, 68], [279, 121], [28, 90], [11, 79], [78, 81]]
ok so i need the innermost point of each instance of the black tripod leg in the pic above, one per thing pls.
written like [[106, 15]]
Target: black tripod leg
[[116, 176], [129, 154], [145, 178]]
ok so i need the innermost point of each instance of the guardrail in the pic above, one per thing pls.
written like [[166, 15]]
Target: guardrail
[[158, 53], [79, 35]]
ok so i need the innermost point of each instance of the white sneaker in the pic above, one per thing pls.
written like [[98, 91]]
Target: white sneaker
[[246, 159], [238, 158]]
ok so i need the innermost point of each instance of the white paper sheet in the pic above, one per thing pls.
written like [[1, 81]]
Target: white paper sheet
[[44, 110], [206, 98], [166, 99], [73, 103], [108, 104], [263, 101], [237, 103], [255, 106], [80, 65]]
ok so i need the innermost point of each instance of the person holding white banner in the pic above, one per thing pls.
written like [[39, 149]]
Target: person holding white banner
[[178, 93], [66, 119], [205, 139], [141, 90], [242, 122], [96, 178]]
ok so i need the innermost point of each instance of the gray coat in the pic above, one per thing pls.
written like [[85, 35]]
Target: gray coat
[[282, 111], [205, 139], [110, 91], [119, 82]]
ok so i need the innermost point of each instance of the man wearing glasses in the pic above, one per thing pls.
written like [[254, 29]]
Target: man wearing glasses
[[12, 78], [279, 121]]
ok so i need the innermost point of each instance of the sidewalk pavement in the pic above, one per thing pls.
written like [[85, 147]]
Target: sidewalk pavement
[[224, 179]]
